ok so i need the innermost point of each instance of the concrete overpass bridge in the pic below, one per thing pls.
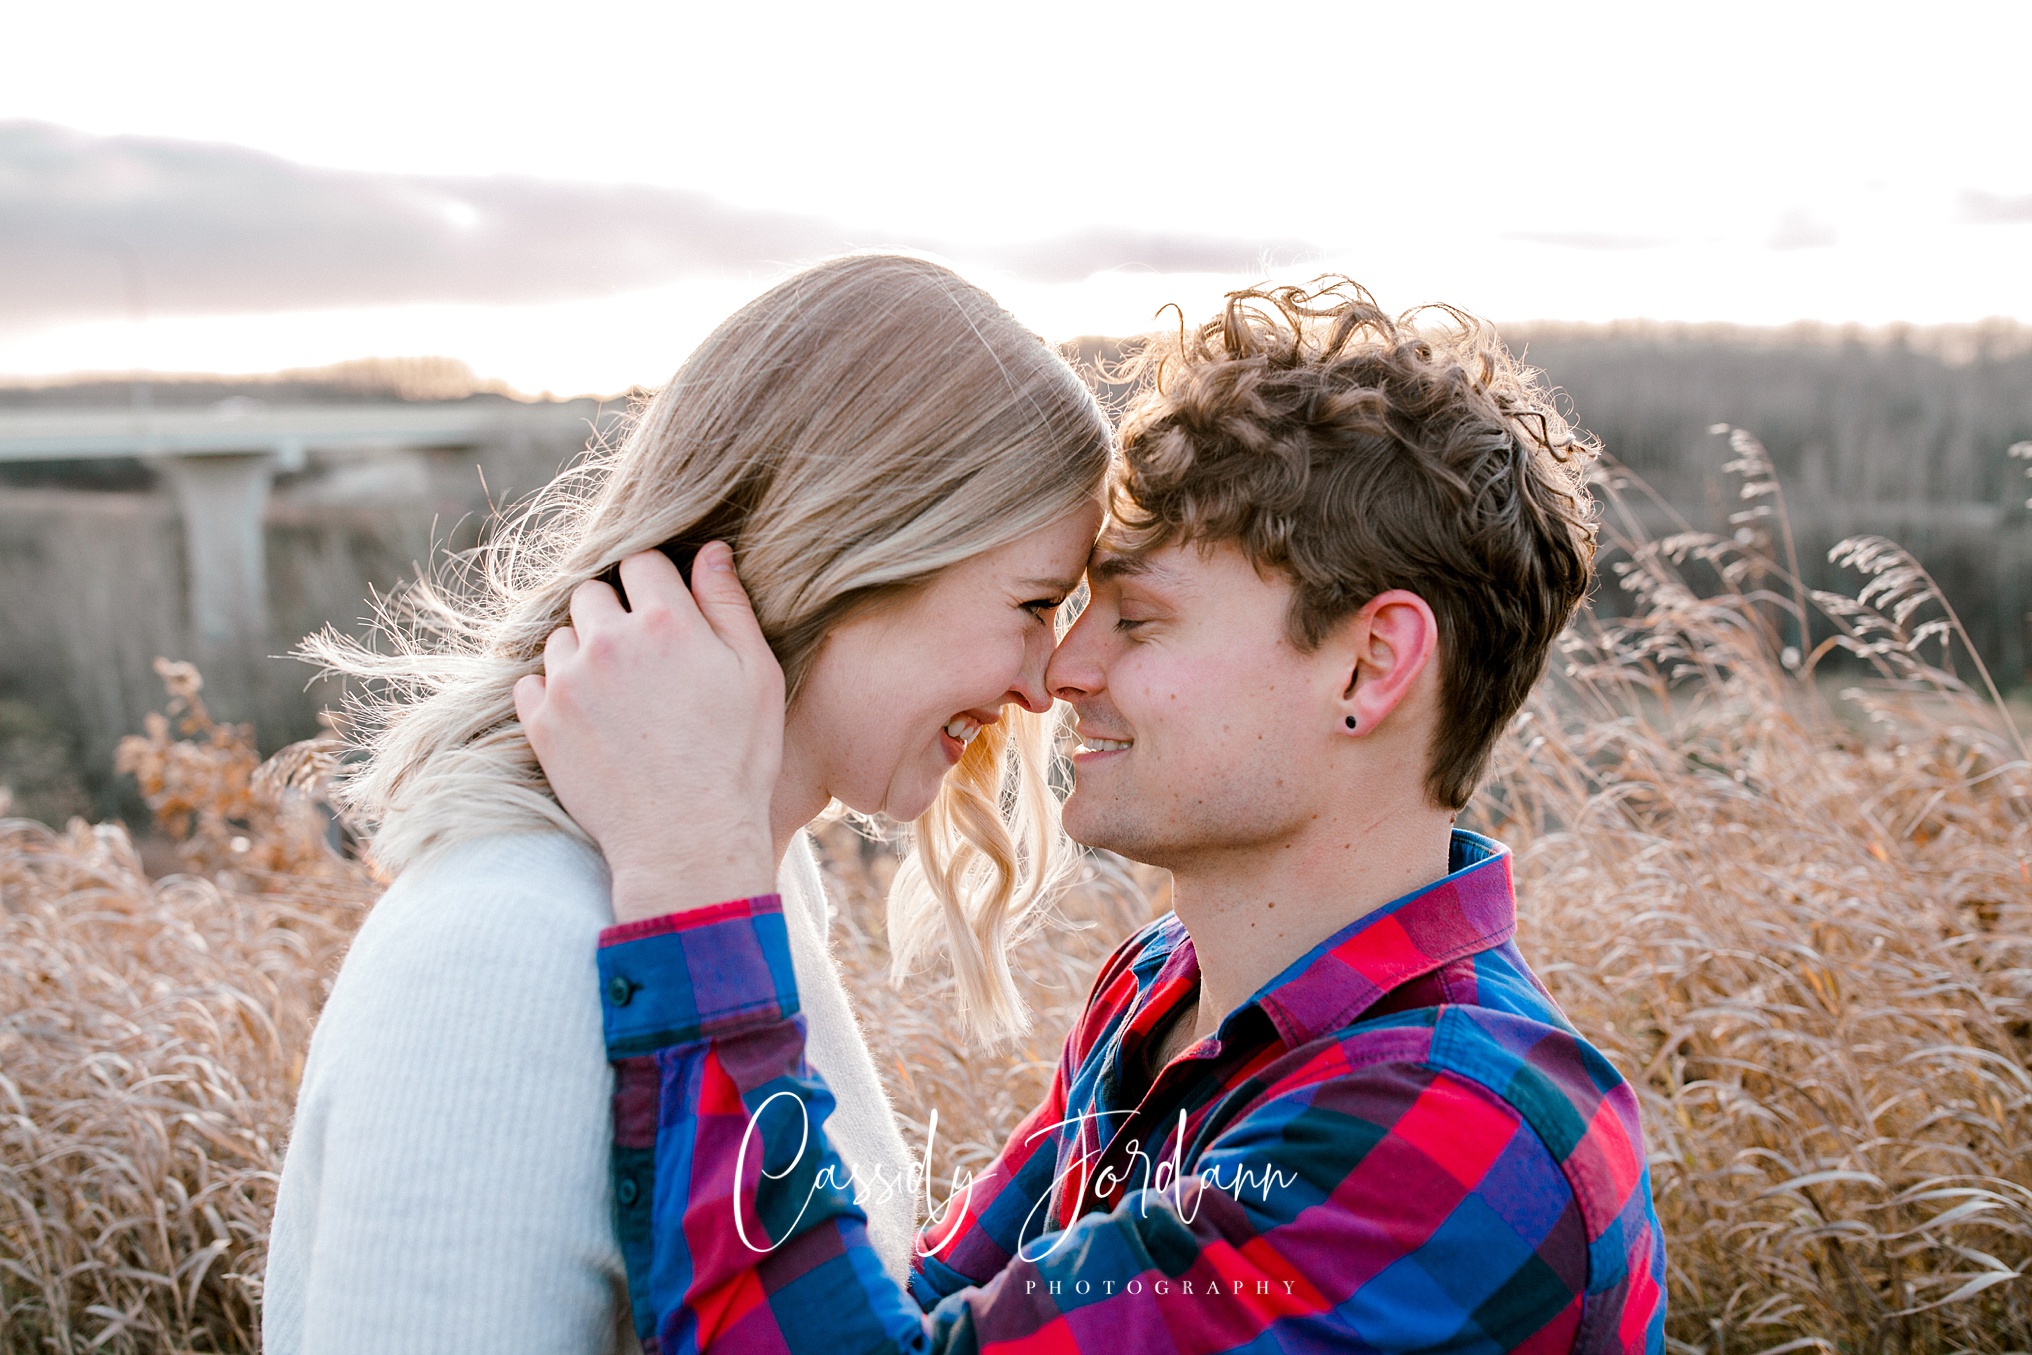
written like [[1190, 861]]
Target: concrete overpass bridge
[[219, 463]]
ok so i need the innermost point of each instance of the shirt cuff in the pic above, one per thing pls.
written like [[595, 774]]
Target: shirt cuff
[[695, 975]]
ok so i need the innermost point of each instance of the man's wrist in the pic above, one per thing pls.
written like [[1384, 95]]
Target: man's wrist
[[736, 866]]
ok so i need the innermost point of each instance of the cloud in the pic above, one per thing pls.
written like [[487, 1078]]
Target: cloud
[[1800, 229], [1081, 254], [1991, 209], [1592, 240], [95, 227]]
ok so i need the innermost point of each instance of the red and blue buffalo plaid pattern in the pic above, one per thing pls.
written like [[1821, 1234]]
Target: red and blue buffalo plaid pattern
[[1397, 1144]]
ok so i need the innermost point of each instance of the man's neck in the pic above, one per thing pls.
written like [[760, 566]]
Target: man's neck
[[1251, 912]]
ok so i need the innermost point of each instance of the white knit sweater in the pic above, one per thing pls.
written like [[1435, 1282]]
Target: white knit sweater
[[447, 1185]]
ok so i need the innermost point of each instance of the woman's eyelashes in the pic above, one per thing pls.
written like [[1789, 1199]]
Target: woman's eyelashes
[[1044, 609]]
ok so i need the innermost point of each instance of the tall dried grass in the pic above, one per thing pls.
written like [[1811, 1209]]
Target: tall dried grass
[[1807, 940], [1801, 928], [151, 1036]]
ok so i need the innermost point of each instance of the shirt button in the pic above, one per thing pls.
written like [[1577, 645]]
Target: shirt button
[[619, 990], [625, 1192]]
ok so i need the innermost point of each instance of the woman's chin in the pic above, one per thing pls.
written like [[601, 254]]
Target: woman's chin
[[899, 804], [907, 803]]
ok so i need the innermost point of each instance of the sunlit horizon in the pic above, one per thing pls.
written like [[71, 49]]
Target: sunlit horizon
[[1726, 163]]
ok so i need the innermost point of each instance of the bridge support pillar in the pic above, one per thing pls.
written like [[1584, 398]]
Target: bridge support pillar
[[223, 500]]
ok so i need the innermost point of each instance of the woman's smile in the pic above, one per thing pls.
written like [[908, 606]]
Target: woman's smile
[[960, 731]]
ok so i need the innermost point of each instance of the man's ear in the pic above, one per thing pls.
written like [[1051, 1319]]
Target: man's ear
[[1392, 641]]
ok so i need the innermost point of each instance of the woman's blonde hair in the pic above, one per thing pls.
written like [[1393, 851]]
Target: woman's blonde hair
[[851, 432]]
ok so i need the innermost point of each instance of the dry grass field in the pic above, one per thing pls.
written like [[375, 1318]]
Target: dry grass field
[[1806, 937]]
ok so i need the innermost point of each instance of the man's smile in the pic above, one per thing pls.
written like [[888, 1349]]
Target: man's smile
[[1092, 745]]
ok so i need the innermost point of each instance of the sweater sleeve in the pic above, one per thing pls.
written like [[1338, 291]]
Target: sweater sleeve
[[447, 1183]]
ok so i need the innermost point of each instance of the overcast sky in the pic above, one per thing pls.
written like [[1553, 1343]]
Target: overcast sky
[[567, 196]]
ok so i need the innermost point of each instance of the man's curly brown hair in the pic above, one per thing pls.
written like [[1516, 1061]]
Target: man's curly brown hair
[[1357, 453]]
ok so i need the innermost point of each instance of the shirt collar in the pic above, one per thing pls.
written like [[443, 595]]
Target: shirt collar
[[1472, 909]]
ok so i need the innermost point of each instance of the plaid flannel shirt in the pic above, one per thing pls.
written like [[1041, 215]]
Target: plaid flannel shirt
[[1399, 1143]]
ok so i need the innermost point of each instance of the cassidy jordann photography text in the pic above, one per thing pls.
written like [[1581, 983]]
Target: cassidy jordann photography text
[[1163, 1177]]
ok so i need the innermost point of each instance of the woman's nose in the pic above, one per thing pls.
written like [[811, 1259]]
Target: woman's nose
[[1031, 691]]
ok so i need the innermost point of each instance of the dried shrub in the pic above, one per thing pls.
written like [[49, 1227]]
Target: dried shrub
[[233, 816]]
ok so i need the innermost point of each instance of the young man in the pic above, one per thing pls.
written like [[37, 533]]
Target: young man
[[1325, 1104]]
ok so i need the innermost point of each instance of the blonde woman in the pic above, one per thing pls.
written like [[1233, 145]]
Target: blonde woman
[[910, 483]]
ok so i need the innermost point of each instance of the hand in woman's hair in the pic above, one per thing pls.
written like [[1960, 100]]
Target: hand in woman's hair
[[660, 727]]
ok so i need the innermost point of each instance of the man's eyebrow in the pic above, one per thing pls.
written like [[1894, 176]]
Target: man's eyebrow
[[1104, 566]]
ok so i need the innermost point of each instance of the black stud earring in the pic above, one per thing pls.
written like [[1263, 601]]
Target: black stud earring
[[1351, 722]]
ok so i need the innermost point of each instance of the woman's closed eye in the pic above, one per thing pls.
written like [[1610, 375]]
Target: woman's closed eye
[[1044, 609]]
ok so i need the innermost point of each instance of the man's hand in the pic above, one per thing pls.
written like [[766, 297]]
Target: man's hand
[[660, 726]]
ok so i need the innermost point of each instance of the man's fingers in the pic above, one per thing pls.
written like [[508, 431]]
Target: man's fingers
[[593, 605], [562, 644], [724, 602], [654, 584], [529, 691]]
